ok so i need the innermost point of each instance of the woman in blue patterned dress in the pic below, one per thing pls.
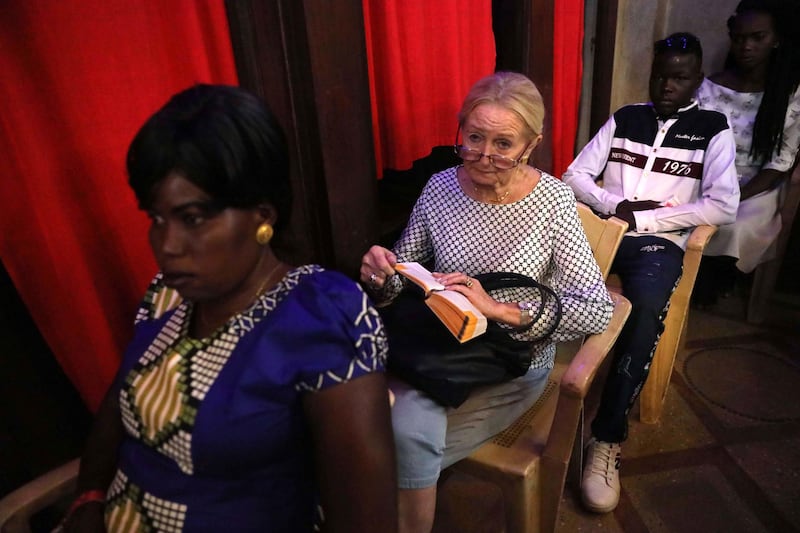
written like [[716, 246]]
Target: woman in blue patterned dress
[[252, 397], [493, 213]]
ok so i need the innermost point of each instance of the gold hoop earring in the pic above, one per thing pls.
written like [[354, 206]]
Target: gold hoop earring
[[264, 233]]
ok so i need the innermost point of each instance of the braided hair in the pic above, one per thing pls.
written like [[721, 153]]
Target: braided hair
[[782, 77]]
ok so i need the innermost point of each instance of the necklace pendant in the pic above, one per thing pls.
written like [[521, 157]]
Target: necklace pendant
[[502, 198], [499, 198]]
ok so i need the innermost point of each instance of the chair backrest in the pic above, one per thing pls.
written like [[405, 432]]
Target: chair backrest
[[604, 236]]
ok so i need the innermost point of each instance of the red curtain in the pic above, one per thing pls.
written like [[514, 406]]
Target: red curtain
[[79, 78], [423, 58], [567, 73]]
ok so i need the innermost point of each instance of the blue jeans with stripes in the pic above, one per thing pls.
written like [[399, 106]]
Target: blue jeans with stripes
[[650, 268]]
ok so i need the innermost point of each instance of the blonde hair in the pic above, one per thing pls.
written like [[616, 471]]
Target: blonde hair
[[510, 90]]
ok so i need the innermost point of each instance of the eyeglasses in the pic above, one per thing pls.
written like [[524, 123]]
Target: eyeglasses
[[500, 162]]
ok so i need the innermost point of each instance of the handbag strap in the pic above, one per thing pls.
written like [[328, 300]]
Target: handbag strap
[[491, 281]]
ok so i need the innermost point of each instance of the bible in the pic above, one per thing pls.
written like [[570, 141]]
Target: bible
[[455, 311]]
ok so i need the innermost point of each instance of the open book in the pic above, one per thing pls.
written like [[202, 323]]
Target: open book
[[455, 311]]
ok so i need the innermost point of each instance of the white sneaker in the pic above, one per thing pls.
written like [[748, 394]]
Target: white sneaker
[[600, 485]]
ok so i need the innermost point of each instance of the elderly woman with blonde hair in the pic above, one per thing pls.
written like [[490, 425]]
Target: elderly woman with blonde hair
[[495, 212]]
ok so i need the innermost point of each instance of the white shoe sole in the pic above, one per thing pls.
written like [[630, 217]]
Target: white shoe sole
[[598, 509]]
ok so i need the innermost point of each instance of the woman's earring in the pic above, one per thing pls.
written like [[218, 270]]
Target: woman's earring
[[264, 233]]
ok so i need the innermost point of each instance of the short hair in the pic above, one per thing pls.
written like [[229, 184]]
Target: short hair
[[512, 91], [680, 43], [221, 138]]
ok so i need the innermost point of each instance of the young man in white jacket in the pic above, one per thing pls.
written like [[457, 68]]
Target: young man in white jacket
[[666, 167]]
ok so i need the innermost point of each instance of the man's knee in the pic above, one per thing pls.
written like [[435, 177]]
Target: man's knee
[[650, 288], [648, 305]]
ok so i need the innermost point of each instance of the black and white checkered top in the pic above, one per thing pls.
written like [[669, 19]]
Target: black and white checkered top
[[540, 236]]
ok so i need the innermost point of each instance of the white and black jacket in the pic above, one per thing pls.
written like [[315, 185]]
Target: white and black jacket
[[686, 162]]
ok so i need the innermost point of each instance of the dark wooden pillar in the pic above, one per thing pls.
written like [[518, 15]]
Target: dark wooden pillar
[[604, 44], [509, 26], [307, 59], [536, 44], [523, 31], [538, 66]]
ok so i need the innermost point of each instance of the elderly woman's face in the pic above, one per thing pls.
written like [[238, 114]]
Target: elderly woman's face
[[493, 130], [206, 253]]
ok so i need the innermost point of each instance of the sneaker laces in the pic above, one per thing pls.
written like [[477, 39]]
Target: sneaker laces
[[602, 461]]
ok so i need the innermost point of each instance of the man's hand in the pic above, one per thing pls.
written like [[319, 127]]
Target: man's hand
[[626, 208]]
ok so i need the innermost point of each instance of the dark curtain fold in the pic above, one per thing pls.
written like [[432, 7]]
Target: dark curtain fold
[[79, 77]]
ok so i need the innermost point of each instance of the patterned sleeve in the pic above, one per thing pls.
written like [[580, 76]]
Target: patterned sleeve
[[586, 306], [343, 334], [572, 273], [414, 244]]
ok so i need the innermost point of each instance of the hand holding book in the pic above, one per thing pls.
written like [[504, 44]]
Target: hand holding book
[[447, 367], [377, 266], [461, 317]]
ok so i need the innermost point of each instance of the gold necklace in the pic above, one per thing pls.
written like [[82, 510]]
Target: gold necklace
[[262, 287], [259, 291], [500, 197]]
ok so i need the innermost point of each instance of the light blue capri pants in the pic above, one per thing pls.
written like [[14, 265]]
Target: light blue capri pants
[[430, 437]]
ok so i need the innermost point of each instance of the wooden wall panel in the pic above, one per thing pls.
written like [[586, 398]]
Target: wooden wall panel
[[309, 62], [539, 68], [605, 42]]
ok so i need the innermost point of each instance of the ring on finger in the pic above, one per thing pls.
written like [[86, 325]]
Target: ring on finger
[[468, 282], [373, 279]]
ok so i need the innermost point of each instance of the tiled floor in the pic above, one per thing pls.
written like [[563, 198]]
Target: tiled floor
[[725, 456]]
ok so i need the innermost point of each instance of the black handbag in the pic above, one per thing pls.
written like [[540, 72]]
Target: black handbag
[[423, 353]]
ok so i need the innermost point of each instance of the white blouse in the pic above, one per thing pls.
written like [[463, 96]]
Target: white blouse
[[741, 110], [540, 236]]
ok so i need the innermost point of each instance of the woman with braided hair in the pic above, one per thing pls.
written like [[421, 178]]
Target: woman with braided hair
[[758, 91]]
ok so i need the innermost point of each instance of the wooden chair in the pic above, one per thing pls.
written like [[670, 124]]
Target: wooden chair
[[766, 274], [528, 461], [651, 401], [17, 508], [604, 236]]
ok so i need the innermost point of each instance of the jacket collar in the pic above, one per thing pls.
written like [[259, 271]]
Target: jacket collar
[[692, 105]]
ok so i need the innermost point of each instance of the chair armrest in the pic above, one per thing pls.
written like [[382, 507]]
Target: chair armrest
[[40, 493], [587, 361], [699, 237]]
